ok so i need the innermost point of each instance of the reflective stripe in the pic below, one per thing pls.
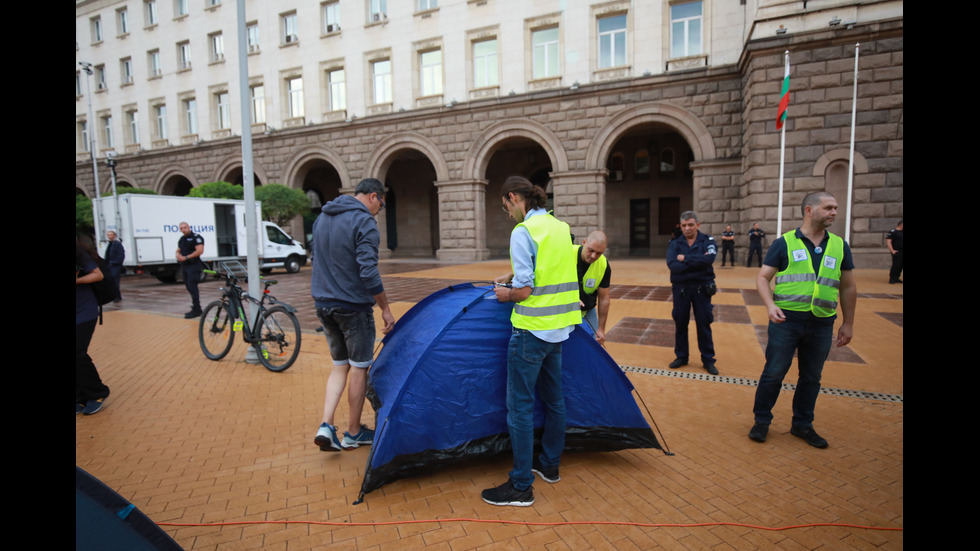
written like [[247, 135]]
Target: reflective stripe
[[830, 305], [804, 299], [545, 310], [794, 278], [829, 282], [554, 289]]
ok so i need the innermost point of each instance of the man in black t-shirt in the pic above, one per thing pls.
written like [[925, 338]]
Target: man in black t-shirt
[[594, 274]]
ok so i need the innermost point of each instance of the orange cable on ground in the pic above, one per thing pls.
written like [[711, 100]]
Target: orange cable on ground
[[528, 523]]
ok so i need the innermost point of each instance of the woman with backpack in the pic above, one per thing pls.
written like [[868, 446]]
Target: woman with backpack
[[90, 392]]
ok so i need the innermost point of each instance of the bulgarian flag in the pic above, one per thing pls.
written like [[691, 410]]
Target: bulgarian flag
[[783, 98]]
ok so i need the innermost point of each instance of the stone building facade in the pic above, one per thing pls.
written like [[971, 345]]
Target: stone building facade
[[617, 149]]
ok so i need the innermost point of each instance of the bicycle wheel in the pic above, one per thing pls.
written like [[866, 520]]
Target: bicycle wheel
[[279, 338], [215, 332]]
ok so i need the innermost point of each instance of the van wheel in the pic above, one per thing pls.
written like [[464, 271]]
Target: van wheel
[[292, 265]]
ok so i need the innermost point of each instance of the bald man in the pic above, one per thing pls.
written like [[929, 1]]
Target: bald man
[[594, 274]]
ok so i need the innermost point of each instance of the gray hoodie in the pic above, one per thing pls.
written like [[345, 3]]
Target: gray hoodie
[[345, 259]]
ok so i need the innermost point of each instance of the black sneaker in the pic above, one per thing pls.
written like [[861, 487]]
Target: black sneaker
[[194, 313], [506, 494], [710, 368], [759, 432], [810, 436], [549, 474], [93, 406], [679, 362]]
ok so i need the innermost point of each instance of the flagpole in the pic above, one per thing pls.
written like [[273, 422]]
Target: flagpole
[[781, 124], [850, 159]]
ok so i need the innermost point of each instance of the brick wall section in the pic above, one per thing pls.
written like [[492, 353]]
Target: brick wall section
[[819, 126]]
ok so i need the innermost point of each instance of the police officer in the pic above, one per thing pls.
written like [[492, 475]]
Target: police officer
[[692, 279], [189, 251], [728, 245]]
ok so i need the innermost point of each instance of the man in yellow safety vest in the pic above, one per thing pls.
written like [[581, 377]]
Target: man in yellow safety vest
[[813, 270]]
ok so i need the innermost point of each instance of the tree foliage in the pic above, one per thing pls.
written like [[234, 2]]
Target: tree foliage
[[84, 219], [280, 203], [135, 190], [218, 190]]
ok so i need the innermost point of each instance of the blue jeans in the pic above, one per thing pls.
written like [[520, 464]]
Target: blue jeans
[[532, 361], [812, 341]]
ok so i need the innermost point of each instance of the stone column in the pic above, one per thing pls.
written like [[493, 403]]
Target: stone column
[[717, 194], [462, 220], [580, 199]]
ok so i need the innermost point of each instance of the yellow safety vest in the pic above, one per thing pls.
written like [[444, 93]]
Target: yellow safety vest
[[593, 276], [553, 303], [799, 289]]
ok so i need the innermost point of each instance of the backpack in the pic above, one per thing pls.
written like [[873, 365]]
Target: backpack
[[105, 290]]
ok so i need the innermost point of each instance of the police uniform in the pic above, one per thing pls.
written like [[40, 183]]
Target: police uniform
[[192, 269], [727, 247], [755, 246], [692, 284]]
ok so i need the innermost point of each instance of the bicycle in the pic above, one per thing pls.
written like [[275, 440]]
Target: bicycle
[[275, 335]]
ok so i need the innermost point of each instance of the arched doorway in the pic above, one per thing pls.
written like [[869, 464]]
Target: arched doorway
[[517, 156], [649, 183], [412, 220]]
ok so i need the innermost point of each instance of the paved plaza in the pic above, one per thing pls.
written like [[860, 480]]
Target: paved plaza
[[221, 454]]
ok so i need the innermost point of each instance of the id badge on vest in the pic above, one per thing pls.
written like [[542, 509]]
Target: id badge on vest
[[829, 262], [590, 282], [799, 255]]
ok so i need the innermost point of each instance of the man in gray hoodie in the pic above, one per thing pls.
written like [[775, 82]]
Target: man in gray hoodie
[[345, 286]]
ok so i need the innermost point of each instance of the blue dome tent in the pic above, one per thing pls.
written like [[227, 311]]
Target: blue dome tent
[[438, 389]]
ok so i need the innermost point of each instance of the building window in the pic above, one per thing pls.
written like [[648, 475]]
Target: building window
[[122, 21], [190, 116], [667, 160], [132, 121], [290, 32], [153, 62], [217, 45], [544, 45], [612, 41], [107, 131], [184, 55], [258, 104], [224, 110], [180, 8], [685, 29], [126, 70], [336, 90], [428, 4], [161, 121], [252, 33], [78, 84], [100, 82], [331, 17], [150, 12], [485, 63], [430, 64], [294, 91], [213, 3], [377, 10], [96, 25], [83, 135], [381, 76]]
